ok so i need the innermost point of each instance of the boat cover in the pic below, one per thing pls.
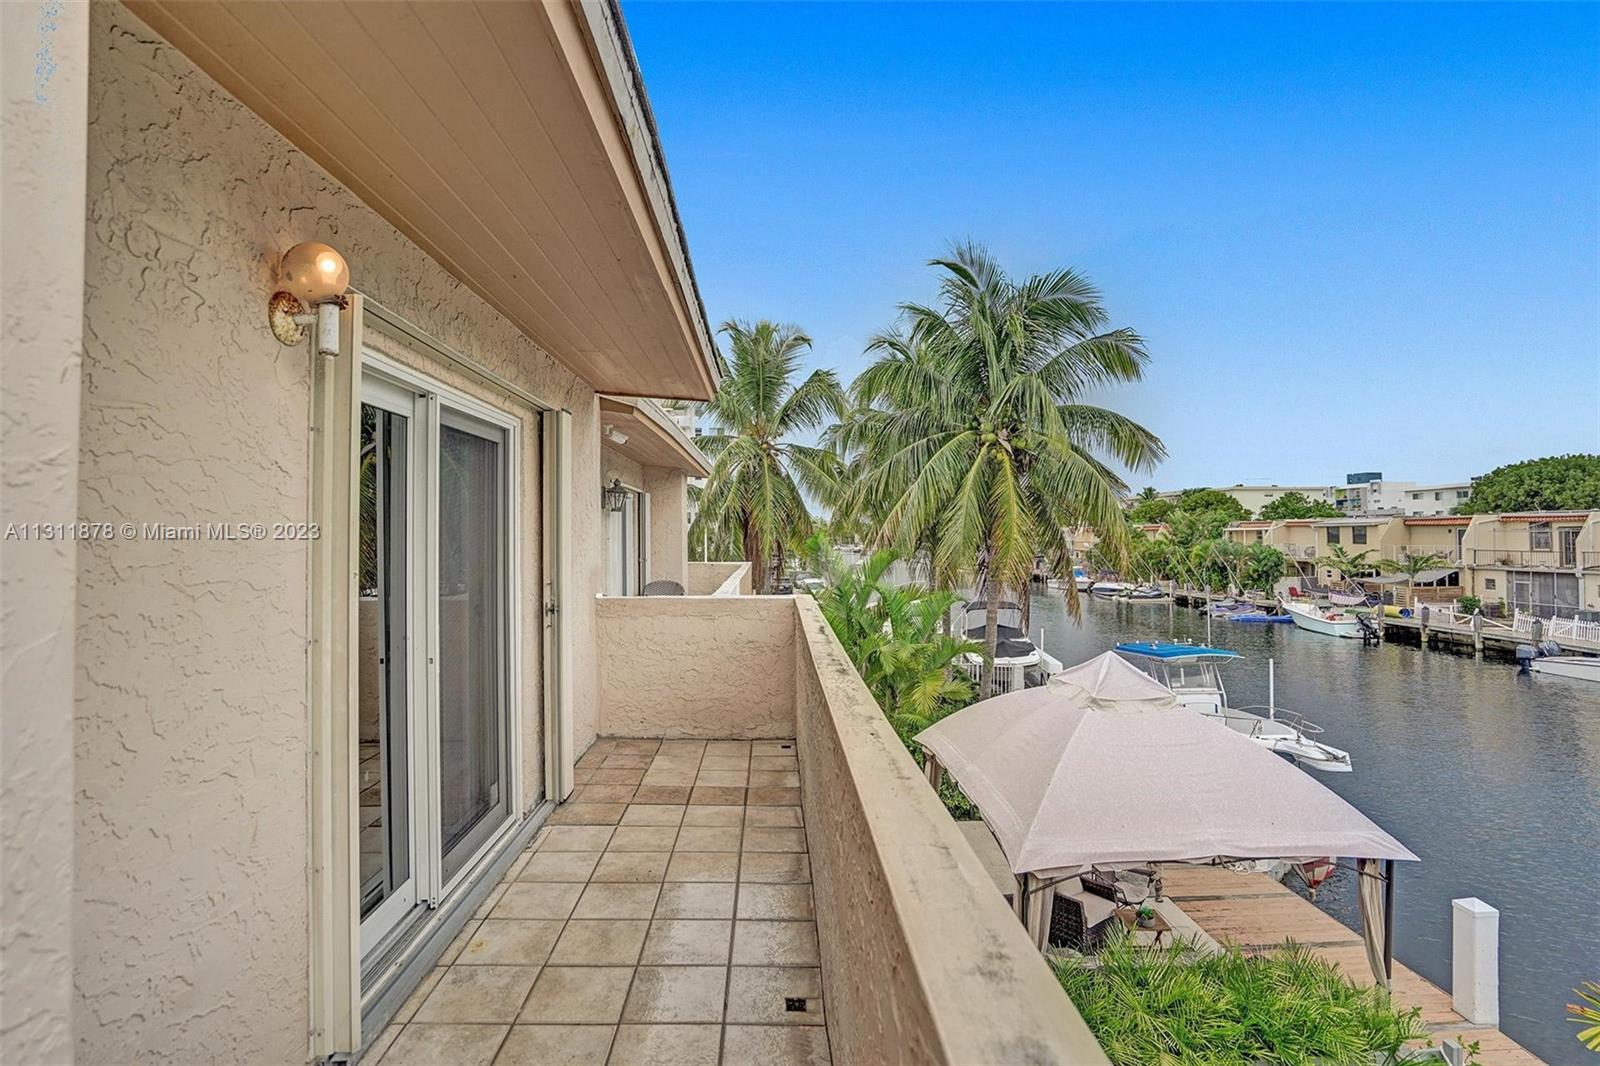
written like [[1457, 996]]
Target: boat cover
[[1169, 652]]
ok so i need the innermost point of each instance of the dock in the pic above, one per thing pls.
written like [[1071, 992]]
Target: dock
[[1258, 914]]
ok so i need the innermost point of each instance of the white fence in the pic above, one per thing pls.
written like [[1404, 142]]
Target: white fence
[[1558, 628]]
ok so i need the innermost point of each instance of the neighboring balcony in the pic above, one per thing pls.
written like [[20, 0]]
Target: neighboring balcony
[[1536, 559]]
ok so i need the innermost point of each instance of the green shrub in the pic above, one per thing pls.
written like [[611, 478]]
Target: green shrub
[[1178, 1004], [1468, 604]]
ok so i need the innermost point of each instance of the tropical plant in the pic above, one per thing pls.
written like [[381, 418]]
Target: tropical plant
[[1180, 1004], [1149, 507], [1556, 483], [1587, 1013], [1297, 505], [1413, 565], [891, 633], [1469, 604], [1351, 565], [1261, 567], [970, 432], [754, 495]]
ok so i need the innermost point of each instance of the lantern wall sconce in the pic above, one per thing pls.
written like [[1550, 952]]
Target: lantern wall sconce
[[312, 275], [614, 497]]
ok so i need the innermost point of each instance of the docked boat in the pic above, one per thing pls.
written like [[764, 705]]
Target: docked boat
[[1018, 661], [1109, 588], [1143, 592], [1576, 667], [1082, 580], [1330, 622], [1193, 673]]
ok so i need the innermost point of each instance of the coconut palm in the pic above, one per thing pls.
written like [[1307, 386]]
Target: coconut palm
[[1350, 564], [758, 475], [969, 432], [1412, 565]]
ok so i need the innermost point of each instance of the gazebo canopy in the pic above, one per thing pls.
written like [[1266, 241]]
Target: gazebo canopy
[[1102, 767]]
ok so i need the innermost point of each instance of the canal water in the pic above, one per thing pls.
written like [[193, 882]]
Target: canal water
[[1493, 779]]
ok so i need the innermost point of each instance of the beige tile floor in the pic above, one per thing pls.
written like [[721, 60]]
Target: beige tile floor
[[664, 917]]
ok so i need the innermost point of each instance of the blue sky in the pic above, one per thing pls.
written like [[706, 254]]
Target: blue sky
[[1328, 222]]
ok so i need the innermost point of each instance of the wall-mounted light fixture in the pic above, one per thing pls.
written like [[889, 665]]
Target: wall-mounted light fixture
[[312, 275], [614, 497], [614, 435]]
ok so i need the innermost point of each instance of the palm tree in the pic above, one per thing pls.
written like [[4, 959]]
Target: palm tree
[[758, 476], [970, 434], [1350, 565], [1412, 565]]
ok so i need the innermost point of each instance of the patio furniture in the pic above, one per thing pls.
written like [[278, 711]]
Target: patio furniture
[[661, 588], [1079, 919], [1129, 917]]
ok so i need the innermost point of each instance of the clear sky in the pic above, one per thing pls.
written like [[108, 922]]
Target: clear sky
[[1355, 237]]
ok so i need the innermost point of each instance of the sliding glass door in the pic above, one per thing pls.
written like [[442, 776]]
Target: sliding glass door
[[435, 679]]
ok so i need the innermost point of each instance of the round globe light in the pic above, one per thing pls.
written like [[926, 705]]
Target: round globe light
[[315, 272]]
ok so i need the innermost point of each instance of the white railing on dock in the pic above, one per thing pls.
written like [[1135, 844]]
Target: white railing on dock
[[1557, 628]]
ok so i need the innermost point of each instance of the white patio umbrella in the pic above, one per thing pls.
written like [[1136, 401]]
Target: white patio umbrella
[[1101, 766]]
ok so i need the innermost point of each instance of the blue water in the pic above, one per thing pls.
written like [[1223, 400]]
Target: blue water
[[1492, 778]]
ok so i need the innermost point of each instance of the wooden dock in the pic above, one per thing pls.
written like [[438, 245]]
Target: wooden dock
[[1257, 913]]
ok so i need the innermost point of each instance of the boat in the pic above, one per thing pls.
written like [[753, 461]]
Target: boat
[[1108, 588], [1143, 592], [1193, 673], [1082, 580], [1576, 667], [1261, 616], [1329, 622], [1018, 662]]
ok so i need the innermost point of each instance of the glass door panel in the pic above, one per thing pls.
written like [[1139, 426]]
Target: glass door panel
[[387, 873], [473, 790]]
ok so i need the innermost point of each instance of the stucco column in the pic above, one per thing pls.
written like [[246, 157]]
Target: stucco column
[[44, 68], [669, 523]]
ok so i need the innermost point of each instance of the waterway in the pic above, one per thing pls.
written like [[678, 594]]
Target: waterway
[[1493, 779]]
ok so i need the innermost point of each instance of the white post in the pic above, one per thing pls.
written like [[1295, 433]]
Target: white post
[[1475, 961]]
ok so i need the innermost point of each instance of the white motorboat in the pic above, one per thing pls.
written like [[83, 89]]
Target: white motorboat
[[1082, 580], [1330, 622], [1577, 667], [1109, 588], [1193, 674], [1018, 661]]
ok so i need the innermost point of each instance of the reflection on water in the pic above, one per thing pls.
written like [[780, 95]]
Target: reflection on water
[[1493, 779]]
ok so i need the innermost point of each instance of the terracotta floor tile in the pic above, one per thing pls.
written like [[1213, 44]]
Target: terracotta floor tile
[[775, 867], [408, 1009], [459, 944], [631, 866], [774, 762], [714, 814], [774, 797], [677, 747], [662, 794], [643, 838], [539, 899], [775, 944], [716, 794], [588, 813], [709, 838], [635, 744], [574, 838], [758, 838], [669, 775], [560, 866], [696, 899], [723, 778], [509, 942], [616, 775], [773, 749], [676, 994], [757, 995], [577, 995], [728, 747], [686, 942], [653, 814], [459, 1045], [774, 817], [556, 1045], [599, 943], [622, 900], [776, 902], [776, 1045], [726, 762], [477, 994], [492, 899], [602, 794], [668, 1045], [703, 866], [774, 779], [627, 760]]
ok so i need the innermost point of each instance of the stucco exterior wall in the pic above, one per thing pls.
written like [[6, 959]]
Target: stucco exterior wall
[[706, 578], [923, 960], [669, 523], [190, 906], [42, 137], [696, 666]]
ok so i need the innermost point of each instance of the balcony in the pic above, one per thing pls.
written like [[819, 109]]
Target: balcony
[[1536, 559], [917, 956]]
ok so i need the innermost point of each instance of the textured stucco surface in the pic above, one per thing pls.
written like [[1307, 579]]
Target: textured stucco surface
[[42, 136], [669, 523], [191, 847], [706, 578], [691, 666], [923, 960]]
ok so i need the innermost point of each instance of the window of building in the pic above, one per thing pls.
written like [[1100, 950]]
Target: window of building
[[1488, 584], [1462, 494], [1438, 495], [1333, 534], [1358, 535], [1539, 536]]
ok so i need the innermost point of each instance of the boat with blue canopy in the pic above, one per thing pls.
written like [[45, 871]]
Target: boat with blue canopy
[[1193, 673]]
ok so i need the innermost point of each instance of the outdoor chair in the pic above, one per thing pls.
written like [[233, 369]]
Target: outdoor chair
[[1079, 918], [661, 588], [1128, 887]]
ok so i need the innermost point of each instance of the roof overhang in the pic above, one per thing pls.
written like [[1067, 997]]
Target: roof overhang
[[653, 439], [510, 140]]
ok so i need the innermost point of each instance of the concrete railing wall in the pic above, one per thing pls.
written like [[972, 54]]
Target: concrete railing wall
[[696, 666], [923, 961], [711, 579]]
